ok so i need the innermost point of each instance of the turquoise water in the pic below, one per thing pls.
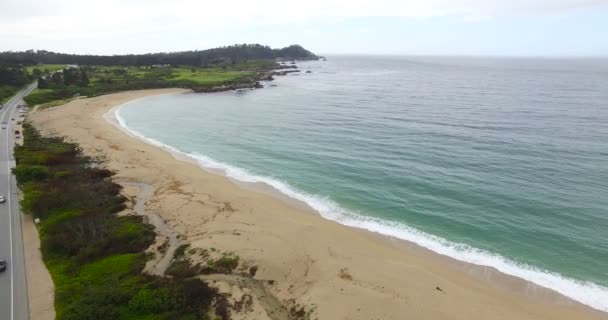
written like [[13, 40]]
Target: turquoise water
[[499, 162]]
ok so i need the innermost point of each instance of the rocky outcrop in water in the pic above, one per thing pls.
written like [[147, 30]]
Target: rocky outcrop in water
[[254, 82]]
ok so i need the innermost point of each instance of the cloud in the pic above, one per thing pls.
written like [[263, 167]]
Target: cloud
[[196, 11], [63, 20]]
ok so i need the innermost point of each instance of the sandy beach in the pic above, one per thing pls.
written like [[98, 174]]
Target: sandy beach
[[332, 271]]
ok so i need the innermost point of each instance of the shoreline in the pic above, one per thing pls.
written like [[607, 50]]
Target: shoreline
[[472, 280], [493, 266]]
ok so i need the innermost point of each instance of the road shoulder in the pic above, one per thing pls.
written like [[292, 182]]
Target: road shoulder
[[41, 290]]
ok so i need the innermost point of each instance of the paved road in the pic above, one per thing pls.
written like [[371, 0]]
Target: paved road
[[13, 286]]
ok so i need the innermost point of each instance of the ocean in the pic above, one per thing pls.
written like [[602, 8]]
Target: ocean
[[494, 161]]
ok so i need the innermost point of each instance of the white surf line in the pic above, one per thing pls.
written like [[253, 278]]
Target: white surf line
[[561, 284]]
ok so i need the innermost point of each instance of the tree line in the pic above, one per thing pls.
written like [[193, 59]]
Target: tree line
[[69, 76], [14, 76], [222, 55]]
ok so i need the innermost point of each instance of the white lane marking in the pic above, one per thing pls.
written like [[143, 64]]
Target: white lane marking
[[8, 196], [18, 97], [10, 220]]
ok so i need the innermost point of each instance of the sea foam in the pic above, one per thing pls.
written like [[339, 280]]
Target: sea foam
[[585, 292]]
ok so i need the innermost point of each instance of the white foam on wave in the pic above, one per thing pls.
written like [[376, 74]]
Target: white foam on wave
[[585, 292]]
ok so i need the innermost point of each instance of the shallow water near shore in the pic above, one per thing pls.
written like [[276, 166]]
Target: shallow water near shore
[[497, 162]]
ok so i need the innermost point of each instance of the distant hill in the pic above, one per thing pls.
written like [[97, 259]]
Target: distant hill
[[216, 56]]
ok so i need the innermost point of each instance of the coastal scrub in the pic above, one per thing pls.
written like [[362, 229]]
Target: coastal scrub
[[94, 256]]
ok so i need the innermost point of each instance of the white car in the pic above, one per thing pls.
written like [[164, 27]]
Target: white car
[[2, 199], [3, 126]]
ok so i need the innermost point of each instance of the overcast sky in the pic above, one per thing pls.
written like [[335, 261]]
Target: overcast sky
[[452, 27]]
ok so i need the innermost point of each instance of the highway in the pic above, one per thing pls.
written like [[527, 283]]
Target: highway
[[13, 284]]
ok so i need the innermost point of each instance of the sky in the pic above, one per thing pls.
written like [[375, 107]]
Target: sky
[[416, 27]]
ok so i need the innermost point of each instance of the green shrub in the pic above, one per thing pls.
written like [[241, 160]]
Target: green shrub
[[179, 252], [113, 266], [90, 311], [25, 173], [6, 92], [30, 196], [57, 217], [132, 234], [181, 269], [154, 300], [62, 174], [225, 264]]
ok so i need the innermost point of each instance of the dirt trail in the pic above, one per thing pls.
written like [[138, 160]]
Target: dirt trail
[[274, 308], [161, 261], [157, 266]]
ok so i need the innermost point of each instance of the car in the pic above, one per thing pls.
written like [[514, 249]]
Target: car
[[2, 265], [2, 199], [3, 126]]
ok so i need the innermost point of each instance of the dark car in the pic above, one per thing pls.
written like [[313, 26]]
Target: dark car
[[2, 265]]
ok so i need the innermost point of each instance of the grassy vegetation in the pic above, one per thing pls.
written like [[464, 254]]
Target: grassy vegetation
[[6, 92], [12, 79], [107, 79], [208, 76], [45, 68], [254, 65], [55, 103], [181, 267], [224, 264], [94, 256]]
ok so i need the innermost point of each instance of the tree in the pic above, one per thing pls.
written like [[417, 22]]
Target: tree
[[13, 76], [42, 83], [221, 55], [57, 79], [84, 78], [36, 73], [71, 76]]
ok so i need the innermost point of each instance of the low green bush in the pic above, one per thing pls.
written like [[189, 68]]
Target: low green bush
[[181, 269], [224, 264], [154, 300], [7, 91], [26, 174]]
